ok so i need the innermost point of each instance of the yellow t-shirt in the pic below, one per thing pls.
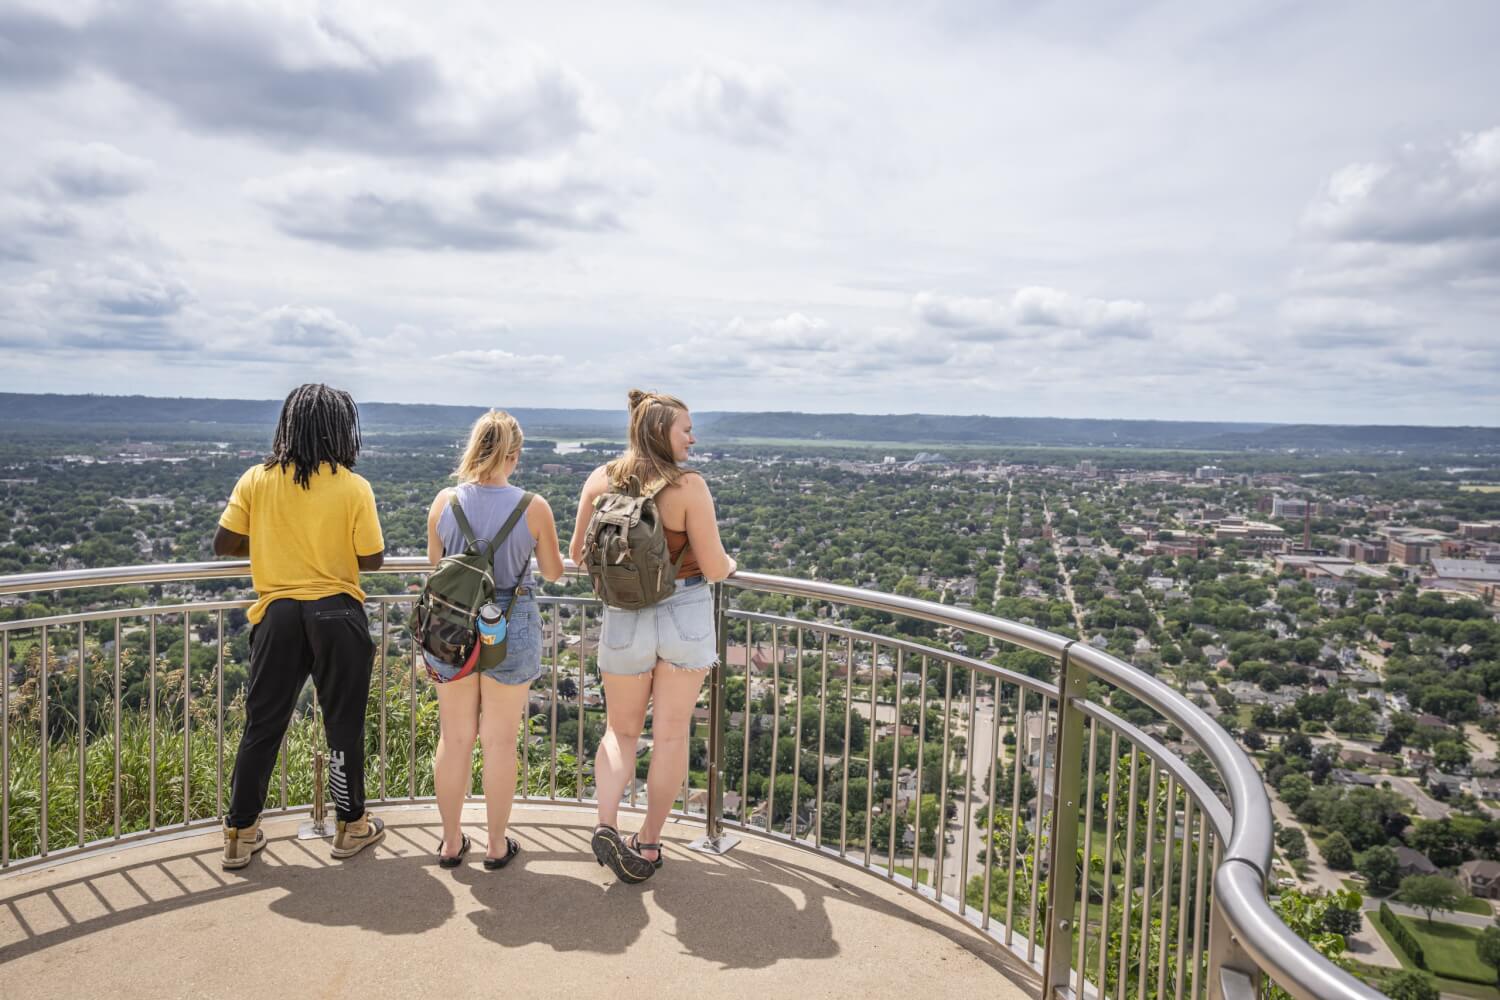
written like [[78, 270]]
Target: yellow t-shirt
[[303, 542]]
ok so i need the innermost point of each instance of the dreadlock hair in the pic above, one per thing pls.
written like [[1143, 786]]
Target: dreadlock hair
[[317, 425]]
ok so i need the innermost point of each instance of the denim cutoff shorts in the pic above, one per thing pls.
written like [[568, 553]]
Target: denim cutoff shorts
[[523, 646], [679, 630]]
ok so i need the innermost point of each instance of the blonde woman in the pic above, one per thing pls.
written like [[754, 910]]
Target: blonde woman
[[658, 655], [489, 704]]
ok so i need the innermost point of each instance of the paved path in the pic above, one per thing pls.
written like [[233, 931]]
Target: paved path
[[1427, 807], [1465, 919], [766, 920], [1365, 944]]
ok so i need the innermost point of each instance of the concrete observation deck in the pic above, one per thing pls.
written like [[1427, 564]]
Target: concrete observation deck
[[161, 919]]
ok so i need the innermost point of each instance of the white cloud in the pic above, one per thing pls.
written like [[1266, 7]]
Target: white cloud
[[298, 76], [1427, 215], [1216, 307], [501, 362], [1031, 308], [110, 303], [516, 207], [748, 105], [793, 332], [1342, 322], [1420, 195], [967, 318], [91, 170], [313, 328], [805, 349]]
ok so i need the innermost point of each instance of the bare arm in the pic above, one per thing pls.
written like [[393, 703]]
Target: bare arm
[[231, 543], [543, 525], [596, 486], [434, 543], [703, 530]]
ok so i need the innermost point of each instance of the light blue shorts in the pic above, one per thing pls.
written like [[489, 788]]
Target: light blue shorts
[[679, 630], [523, 647]]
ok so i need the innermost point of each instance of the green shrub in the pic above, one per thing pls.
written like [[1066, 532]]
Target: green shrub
[[1402, 936]]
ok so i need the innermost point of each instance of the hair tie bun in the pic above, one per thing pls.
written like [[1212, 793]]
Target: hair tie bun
[[637, 397]]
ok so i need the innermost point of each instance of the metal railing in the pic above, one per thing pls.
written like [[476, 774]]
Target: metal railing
[[1096, 854]]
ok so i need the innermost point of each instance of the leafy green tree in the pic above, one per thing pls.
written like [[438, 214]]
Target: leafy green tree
[[1488, 947], [1294, 789], [1308, 917], [1293, 842], [1337, 852], [1380, 867], [1410, 985], [1429, 893], [1450, 755]]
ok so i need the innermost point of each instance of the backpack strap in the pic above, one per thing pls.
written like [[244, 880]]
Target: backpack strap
[[510, 522], [463, 520]]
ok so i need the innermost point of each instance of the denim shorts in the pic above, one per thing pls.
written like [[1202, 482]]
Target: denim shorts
[[679, 630], [523, 647]]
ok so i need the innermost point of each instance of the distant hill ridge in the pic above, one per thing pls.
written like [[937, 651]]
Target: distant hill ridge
[[58, 409]]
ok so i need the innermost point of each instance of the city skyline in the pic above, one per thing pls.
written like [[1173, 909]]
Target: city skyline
[[1158, 212]]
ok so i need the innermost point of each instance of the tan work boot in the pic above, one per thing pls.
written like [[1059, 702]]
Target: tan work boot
[[354, 836], [240, 845]]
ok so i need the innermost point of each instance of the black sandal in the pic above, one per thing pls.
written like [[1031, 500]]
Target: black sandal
[[610, 850], [463, 848], [511, 850], [636, 846]]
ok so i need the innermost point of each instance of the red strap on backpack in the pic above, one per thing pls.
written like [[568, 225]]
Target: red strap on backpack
[[464, 671]]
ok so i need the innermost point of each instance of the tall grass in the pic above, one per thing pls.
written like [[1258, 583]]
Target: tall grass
[[407, 768]]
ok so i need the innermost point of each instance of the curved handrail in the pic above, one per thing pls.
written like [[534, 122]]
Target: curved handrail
[[1239, 880]]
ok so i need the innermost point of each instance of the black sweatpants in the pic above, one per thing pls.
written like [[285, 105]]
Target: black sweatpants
[[330, 639]]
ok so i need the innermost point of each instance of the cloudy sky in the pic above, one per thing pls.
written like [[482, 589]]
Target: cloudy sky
[[1262, 211]]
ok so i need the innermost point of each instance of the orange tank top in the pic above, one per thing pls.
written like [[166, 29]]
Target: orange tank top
[[676, 542]]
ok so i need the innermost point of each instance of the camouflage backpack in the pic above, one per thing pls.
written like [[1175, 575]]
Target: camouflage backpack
[[625, 549], [443, 622]]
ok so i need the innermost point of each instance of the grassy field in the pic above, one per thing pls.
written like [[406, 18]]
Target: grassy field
[[1473, 904], [1479, 488], [1450, 949], [1457, 987]]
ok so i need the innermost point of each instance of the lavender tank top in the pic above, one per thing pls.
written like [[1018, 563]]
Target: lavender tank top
[[487, 507]]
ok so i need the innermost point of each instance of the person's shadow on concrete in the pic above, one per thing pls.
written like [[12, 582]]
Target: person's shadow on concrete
[[746, 916], [384, 893], [565, 911]]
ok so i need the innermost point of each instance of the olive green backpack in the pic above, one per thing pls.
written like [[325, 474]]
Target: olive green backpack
[[625, 549], [443, 622]]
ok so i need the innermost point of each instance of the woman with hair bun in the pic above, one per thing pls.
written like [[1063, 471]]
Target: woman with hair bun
[[488, 704], [658, 655]]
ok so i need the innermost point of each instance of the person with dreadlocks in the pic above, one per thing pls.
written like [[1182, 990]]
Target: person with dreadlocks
[[309, 526]]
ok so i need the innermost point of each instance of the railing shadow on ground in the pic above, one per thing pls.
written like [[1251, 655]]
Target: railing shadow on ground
[[750, 910]]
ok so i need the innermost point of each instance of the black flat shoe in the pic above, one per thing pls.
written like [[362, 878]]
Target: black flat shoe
[[636, 846], [610, 850], [511, 850], [463, 848]]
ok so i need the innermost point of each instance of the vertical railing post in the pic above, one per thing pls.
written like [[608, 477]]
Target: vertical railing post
[[1062, 843], [316, 828], [714, 839], [1232, 973]]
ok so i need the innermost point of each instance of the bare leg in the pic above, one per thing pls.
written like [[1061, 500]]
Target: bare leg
[[614, 765], [499, 720], [453, 765], [674, 693]]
